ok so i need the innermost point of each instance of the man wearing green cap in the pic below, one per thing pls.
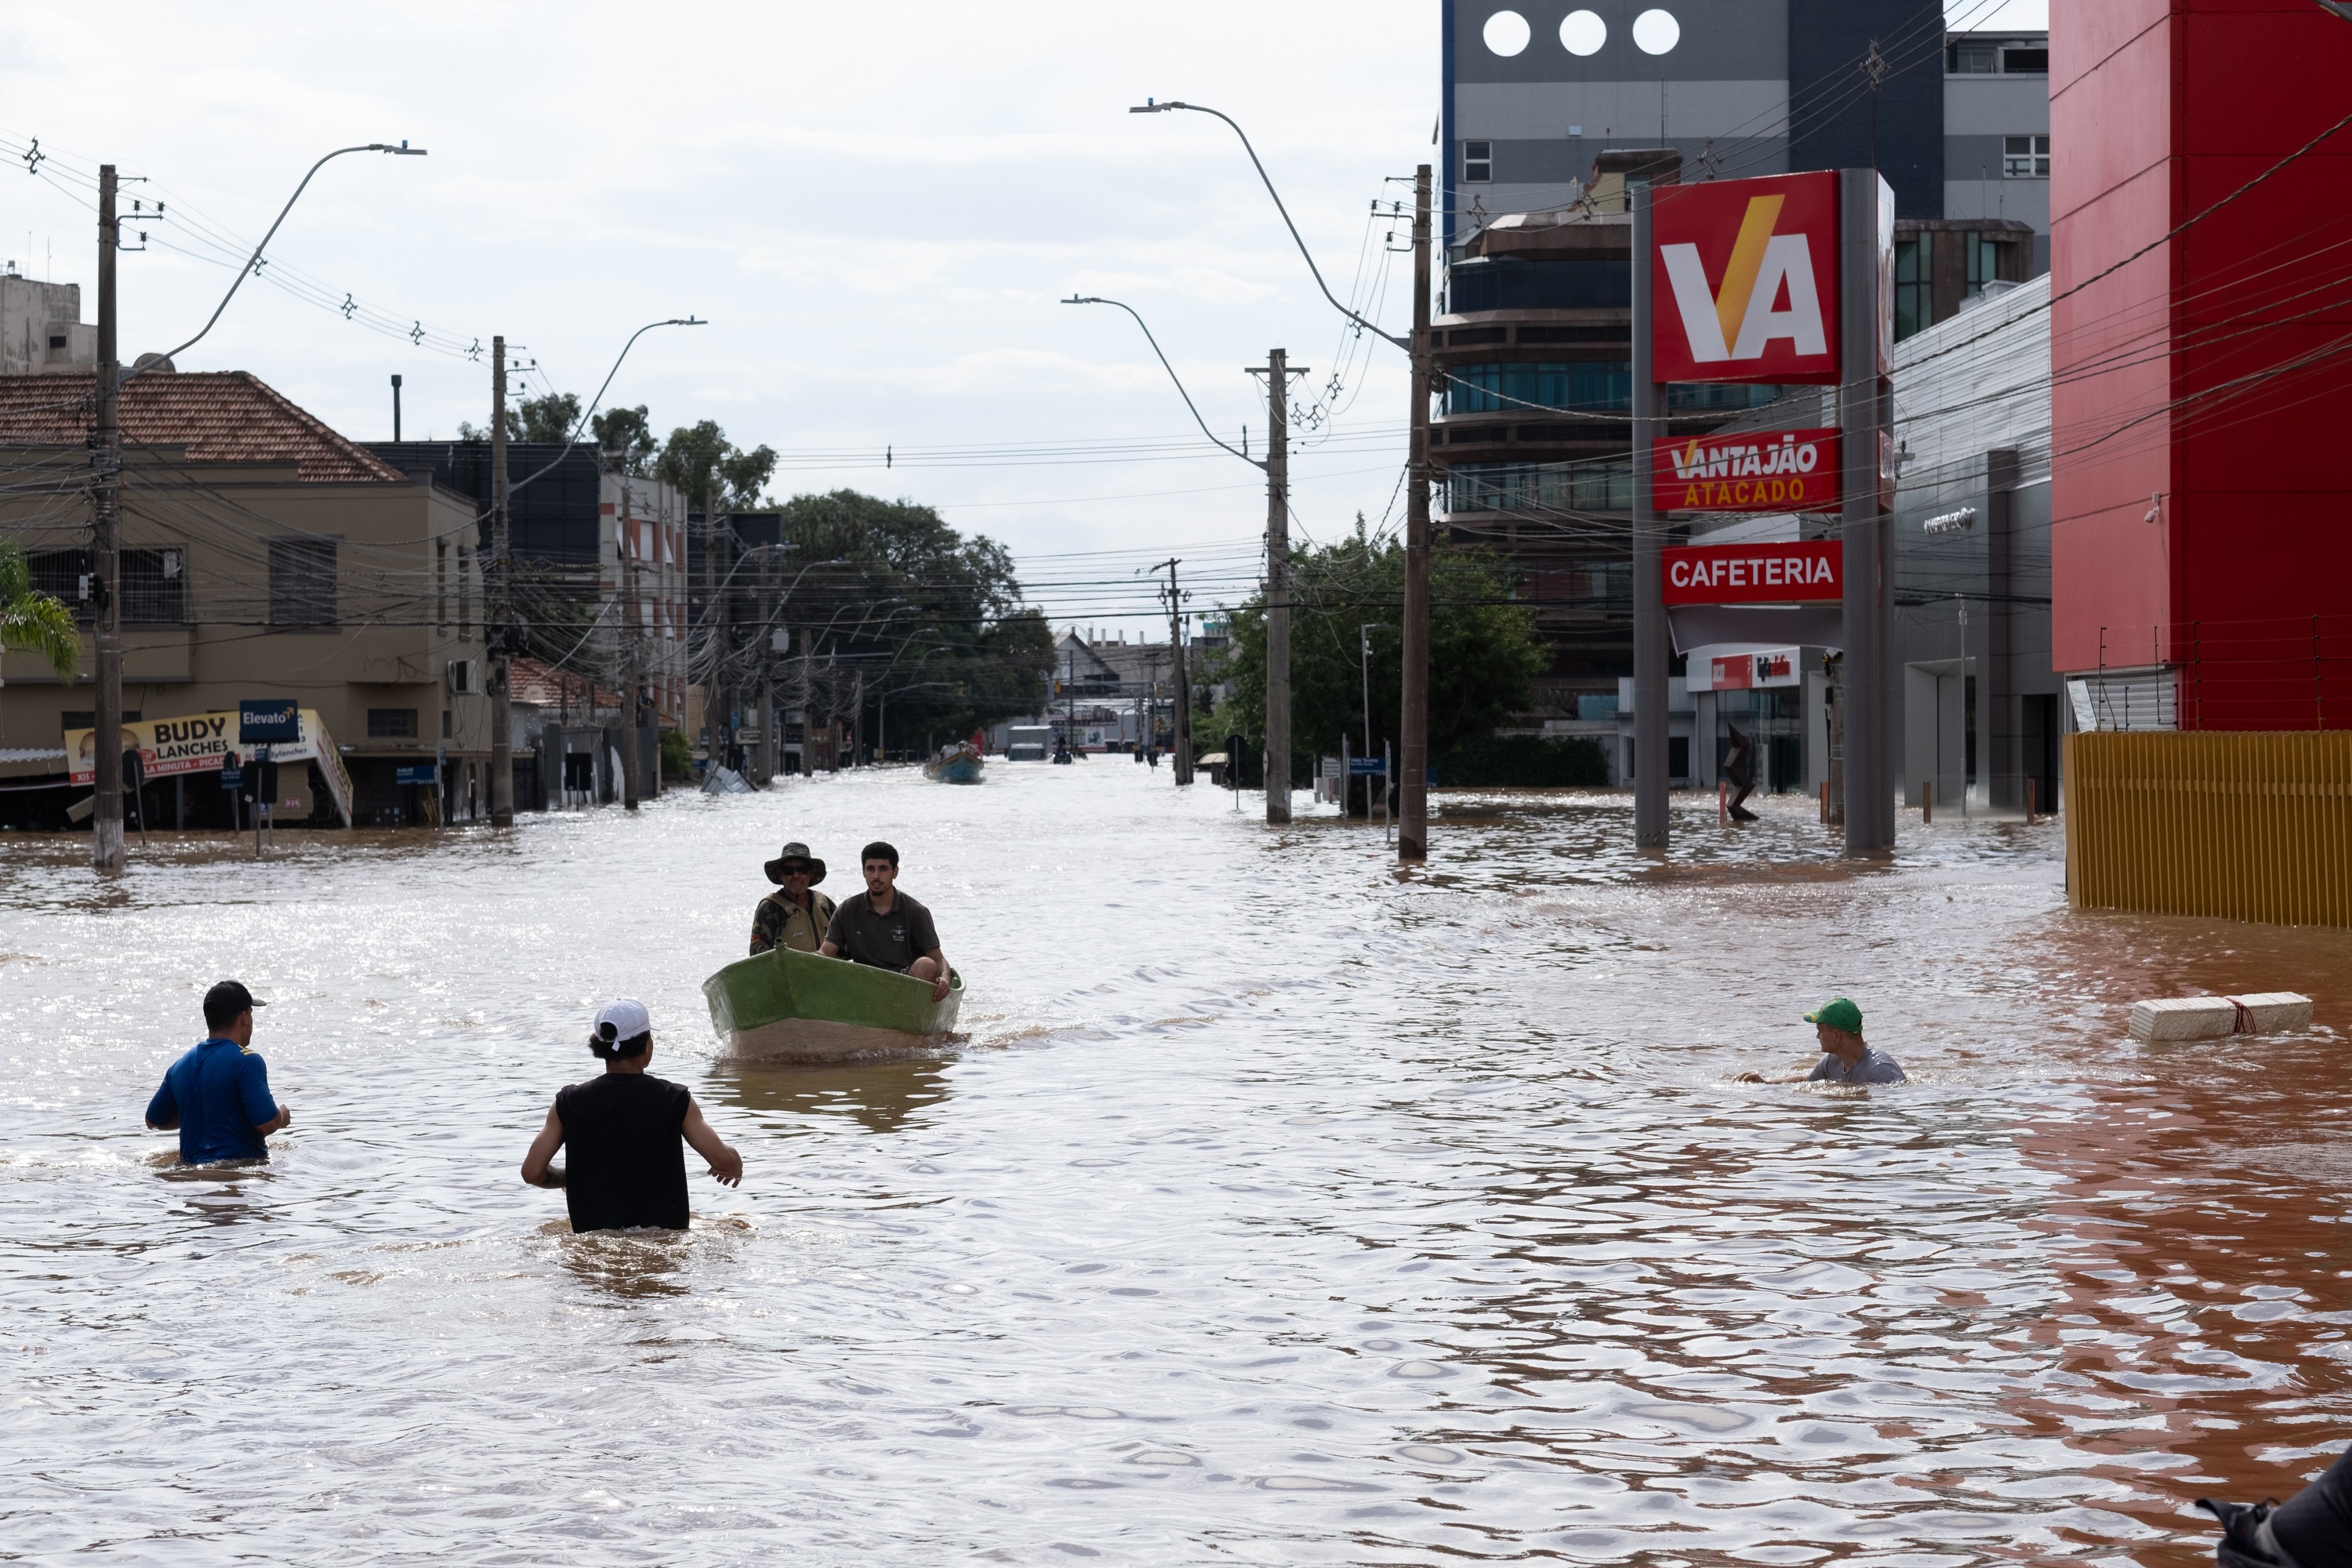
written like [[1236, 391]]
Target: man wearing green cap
[[1846, 1057]]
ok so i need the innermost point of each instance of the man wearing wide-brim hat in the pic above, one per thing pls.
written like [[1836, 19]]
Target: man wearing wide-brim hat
[[796, 914]]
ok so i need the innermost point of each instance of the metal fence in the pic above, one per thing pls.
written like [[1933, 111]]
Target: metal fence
[[2249, 825]]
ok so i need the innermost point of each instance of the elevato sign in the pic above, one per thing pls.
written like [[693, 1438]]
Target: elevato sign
[[1745, 277], [1776, 470], [1805, 571]]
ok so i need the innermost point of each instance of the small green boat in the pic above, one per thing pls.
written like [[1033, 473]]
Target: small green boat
[[804, 1006]]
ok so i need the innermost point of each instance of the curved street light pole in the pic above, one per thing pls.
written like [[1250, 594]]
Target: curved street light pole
[[1412, 731], [1212, 435], [106, 847], [499, 596]]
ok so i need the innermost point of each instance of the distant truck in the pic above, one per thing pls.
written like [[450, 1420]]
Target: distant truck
[[1028, 742]]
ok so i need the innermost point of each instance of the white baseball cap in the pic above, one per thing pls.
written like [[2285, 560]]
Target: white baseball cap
[[622, 1018]]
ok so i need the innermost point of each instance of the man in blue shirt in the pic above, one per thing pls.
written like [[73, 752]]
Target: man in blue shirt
[[217, 1095]]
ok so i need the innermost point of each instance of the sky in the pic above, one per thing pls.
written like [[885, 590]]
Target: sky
[[878, 210]]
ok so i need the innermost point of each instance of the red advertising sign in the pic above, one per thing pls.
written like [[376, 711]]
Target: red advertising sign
[[1807, 572], [1743, 279], [1768, 471], [1754, 671]]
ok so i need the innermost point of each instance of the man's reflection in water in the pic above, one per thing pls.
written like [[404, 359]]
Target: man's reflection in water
[[224, 1201], [879, 1095]]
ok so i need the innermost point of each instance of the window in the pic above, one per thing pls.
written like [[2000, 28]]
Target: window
[[2025, 157], [1915, 285], [1594, 384], [464, 592], [154, 584], [154, 587], [1478, 162], [62, 575], [2025, 62], [392, 723], [1712, 397], [1606, 485], [1973, 59], [1984, 261], [301, 582], [441, 584]]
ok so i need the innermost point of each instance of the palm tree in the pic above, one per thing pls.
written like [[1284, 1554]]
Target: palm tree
[[34, 622]]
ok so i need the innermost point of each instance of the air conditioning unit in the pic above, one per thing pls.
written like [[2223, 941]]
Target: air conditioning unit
[[465, 676]]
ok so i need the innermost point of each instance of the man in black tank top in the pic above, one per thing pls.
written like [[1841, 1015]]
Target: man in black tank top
[[625, 1130]]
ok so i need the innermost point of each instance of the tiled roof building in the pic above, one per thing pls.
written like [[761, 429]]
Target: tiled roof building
[[229, 416]]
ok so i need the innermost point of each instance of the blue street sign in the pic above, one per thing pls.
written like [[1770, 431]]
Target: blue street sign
[[1367, 765], [232, 777], [268, 719], [420, 775]]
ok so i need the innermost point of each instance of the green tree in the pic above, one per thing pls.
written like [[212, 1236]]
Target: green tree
[[1484, 654], [33, 622], [552, 417], [932, 621], [694, 454], [629, 432]]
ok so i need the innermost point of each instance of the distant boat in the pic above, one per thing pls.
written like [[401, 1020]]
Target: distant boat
[[791, 1006], [957, 765]]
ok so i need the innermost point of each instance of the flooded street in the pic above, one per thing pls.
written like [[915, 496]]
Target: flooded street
[[1274, 1210]]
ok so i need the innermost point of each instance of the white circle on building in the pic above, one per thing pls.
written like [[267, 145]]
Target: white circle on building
[[1583, 33], [1655, 32], [1507, 32]]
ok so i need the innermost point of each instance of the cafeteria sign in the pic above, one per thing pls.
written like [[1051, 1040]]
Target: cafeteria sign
[[1784, 470], [196, 743], [1796, 571]]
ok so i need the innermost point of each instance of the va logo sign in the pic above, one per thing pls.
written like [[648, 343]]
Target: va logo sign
[[1744, 278]]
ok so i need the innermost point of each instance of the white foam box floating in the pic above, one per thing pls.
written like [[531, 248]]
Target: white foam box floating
[[2211, 1017]]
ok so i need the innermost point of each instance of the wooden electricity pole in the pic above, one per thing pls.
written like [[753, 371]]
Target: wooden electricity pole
[[1412, 731], [105, 554], [633, 673], [501, 600], [1277, 373], [1182, 729]]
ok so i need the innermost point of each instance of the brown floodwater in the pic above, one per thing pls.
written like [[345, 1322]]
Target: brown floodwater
[[1273, 1209]]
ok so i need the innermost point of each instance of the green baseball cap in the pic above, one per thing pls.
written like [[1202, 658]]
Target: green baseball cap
[[1839, 1014]]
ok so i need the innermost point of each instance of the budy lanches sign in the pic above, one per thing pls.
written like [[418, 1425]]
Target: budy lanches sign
[[1745, 277]]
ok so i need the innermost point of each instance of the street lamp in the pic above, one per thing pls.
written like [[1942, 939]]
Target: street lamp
[[253, 263], [1150, 106], [106, 497], [1212, 435], [1412, 731]]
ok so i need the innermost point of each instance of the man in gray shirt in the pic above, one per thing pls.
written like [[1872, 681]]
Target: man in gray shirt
[[1846, 1057]]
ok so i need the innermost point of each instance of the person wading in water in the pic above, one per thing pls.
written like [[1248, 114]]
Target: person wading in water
[[887, 929], [797, 916], [624, 1129], [216, 1097]]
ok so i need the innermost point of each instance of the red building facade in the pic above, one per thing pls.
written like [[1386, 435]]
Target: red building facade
[[2201, 358]]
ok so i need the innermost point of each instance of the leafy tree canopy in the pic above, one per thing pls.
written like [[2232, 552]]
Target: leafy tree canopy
[[629, 432], [1484, 654], [715, 474], [933, 621]]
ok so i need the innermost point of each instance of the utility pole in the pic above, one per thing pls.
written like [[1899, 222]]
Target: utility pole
[[1413, 733], [501, 617], [1863, 404], [766, 651], [1649, 559], [634, 662], [1182, 729], [105, 554], [1278, 374]]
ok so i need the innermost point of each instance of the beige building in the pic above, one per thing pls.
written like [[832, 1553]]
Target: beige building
[[263, 556]]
